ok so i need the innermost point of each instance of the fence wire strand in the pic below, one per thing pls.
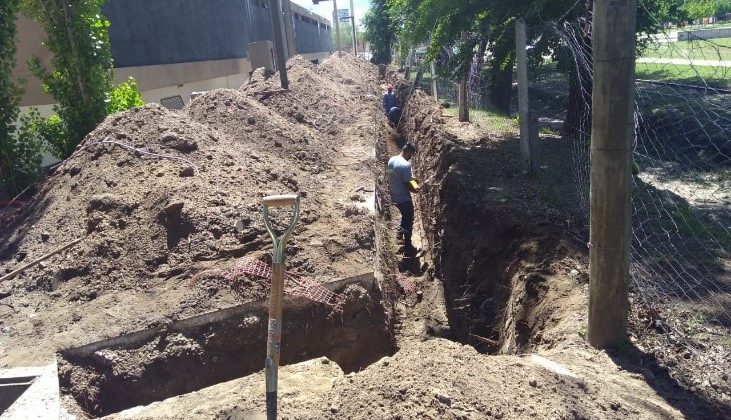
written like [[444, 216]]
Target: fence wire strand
[[681, 184]]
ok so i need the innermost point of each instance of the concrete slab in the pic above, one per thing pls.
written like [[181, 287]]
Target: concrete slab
[[30, 393]]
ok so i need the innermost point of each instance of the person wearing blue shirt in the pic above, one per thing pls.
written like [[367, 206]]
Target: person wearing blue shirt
[[390, 106], [389, 100], [400, 186]]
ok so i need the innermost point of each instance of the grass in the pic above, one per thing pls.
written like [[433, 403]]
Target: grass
[[495, 121], [680, 218], [719, 77], [583, 331], [695, 320], [714, 49]]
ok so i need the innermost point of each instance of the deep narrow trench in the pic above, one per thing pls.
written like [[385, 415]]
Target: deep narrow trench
[[494, 262], [184, 356]]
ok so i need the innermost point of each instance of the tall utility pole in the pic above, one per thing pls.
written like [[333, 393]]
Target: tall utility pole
[[275, 14], [336, 21], [352, 21], [337, 24], [611, 153]]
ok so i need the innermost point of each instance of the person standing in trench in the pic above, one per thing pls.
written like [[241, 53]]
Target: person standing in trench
[[401, 185]]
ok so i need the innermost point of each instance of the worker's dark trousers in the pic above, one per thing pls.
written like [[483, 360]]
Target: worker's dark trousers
[[407, 219]]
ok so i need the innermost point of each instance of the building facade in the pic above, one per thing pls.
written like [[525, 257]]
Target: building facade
[[175, 47]]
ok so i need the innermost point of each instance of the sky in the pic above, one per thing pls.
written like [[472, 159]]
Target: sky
[[325, 8]]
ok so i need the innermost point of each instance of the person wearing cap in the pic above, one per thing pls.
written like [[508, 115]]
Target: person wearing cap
[[401, 184]]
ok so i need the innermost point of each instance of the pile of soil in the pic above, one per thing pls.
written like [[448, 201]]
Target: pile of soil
[[238, 115], [316, 96], [435, 379], [497, 272], [149, 223]]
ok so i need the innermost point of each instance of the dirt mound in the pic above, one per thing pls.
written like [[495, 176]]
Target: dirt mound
[[158, 196], [442, 379], [349, 70], [436, 379], [315, 97], [144, 217], [237, 115]]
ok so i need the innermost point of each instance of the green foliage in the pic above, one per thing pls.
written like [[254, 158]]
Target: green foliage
[[9, 92], [699, 9], [379, 31], [457, 27], [27, 158], [722, 7], [20, 144], [82, 66], [124, 97], [53, 131]]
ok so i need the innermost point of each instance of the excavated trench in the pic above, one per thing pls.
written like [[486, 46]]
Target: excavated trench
[[494, 256], [183, 356], [502, 293]]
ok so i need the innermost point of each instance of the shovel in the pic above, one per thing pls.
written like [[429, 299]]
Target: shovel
[[274, 337]]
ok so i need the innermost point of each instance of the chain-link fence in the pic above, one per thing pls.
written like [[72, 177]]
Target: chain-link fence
[[680, 263]]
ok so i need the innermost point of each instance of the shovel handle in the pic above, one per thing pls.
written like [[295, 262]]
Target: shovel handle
[[280, 241], [280, 200]]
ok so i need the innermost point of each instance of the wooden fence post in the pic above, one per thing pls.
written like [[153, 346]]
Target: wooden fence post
[[612, 132]]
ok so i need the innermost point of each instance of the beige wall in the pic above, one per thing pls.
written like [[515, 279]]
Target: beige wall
[[154, 82], [29, 42], [155, 77], [30, 38]]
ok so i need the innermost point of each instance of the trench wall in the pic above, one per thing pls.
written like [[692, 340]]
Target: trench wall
[[183, 356], [496, 259]]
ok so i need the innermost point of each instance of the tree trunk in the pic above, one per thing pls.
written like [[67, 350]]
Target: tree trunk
[[464, 107], [68, 23], [464, 110], [578, 115], [477, 84], [478, 62]]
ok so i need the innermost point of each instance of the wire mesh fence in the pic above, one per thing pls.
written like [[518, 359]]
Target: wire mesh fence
[[482, 111], [680, 264], [681, 212]]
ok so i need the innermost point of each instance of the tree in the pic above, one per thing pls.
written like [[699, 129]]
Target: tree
[[722, 7], [20, 146], [9, 92], [379, 32], [82, 66], [346, 35], [440, 23], [699, 9]]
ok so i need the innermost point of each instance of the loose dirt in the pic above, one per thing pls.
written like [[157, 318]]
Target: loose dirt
[[436, 379], [151, 224], [488, 313]]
